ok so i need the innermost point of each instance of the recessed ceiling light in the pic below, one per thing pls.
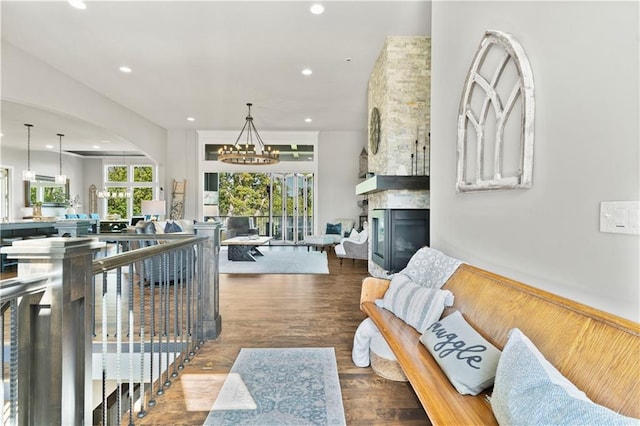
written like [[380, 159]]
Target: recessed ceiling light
[[191, 119], [125, 68], [307, 71], [317, 9], [105, 141], [78, 4], [308, 120], [49, 146], [96, 147]]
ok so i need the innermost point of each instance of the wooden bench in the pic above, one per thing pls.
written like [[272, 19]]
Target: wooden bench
[[597, 351]]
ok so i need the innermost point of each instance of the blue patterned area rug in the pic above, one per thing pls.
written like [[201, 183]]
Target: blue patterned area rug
[[290, 386]]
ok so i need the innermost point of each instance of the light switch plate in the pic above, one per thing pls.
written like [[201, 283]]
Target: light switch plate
[[620, 217]]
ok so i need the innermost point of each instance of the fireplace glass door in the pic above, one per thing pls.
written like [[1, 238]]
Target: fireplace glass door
[[396, 235]]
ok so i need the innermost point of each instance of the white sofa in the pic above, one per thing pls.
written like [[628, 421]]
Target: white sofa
[[326, 240]]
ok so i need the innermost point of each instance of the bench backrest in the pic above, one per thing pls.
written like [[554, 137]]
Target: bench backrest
[[598, 352]]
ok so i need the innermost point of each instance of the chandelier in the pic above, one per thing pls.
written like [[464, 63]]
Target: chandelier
[[253, 151], [115, 193]]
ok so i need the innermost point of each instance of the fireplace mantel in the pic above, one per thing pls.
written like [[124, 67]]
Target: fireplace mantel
[[383, 183]]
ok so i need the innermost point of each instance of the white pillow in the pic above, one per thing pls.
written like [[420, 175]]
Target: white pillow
[[528, 390], [364, 235], [416, 305], [159, 226], [468, 360], [354, 235], [430, 267]]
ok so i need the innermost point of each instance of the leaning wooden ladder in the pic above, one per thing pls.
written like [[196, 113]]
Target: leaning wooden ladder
[[177, 202]]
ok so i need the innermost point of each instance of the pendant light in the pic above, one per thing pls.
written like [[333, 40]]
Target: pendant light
[[28, 174], [60, 178], [254, 151]]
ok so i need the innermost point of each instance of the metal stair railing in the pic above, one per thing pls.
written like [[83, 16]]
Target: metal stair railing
[[139, 315]]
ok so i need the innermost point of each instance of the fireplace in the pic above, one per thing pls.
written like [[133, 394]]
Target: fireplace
[[396, 234]]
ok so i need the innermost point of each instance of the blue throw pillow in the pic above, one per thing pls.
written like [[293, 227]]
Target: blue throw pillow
[[171, 227], [334, 228], [529, 390]]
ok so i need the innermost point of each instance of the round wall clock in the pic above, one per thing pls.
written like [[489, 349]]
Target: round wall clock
[[374, 131]]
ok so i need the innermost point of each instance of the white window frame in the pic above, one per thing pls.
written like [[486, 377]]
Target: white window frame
[[522, 92]]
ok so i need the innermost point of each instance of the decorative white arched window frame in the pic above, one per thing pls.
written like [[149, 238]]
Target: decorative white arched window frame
[[496, 118]]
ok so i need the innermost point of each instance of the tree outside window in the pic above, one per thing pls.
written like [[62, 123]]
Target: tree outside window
[[140, 195], [117, 205], [117, 174], [137, 179]]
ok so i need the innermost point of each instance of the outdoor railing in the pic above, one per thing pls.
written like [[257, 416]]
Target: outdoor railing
[[125, 316], [273, 226]]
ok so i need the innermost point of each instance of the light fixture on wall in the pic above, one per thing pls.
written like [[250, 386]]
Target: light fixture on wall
[[60, 178], [253, 151], [153, 208], [29, 174]]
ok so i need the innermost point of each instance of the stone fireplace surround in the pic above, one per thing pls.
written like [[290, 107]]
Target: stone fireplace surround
[[400, 87]]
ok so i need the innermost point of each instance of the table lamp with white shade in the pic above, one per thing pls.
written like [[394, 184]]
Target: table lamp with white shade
[[153, 208], [211, 212]]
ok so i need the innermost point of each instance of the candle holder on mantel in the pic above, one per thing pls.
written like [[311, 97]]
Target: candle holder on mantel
[[415, 160]]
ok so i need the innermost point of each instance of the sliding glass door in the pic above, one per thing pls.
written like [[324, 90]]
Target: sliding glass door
[[292, 207], [281, 204]]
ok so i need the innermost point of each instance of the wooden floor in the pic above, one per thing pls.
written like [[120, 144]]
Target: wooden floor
[[274, 311]]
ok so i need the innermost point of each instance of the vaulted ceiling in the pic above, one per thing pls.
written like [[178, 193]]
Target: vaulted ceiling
[[207, 59]]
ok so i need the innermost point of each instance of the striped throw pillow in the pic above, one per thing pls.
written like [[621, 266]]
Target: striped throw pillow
[[416, 305]]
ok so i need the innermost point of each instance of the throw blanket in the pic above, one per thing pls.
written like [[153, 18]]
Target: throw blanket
[[428, 267]]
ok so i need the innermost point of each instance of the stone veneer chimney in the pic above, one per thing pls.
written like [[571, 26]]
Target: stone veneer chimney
[[400, 87]]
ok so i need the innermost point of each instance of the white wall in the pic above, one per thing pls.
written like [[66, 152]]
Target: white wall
[[339, 159], [30, 81], [585, 62], [182, 150], [44, 163], [337, 171]]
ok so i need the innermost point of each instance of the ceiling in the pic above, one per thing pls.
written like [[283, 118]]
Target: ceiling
[[206, 60]]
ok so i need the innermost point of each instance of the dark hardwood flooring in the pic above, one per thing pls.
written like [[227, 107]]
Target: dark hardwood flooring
[[260, 311]]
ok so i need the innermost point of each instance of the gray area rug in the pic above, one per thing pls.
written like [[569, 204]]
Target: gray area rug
[[278, 260], [290, 386]]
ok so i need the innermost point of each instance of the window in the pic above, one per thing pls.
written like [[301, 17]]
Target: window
[[137, 180]]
